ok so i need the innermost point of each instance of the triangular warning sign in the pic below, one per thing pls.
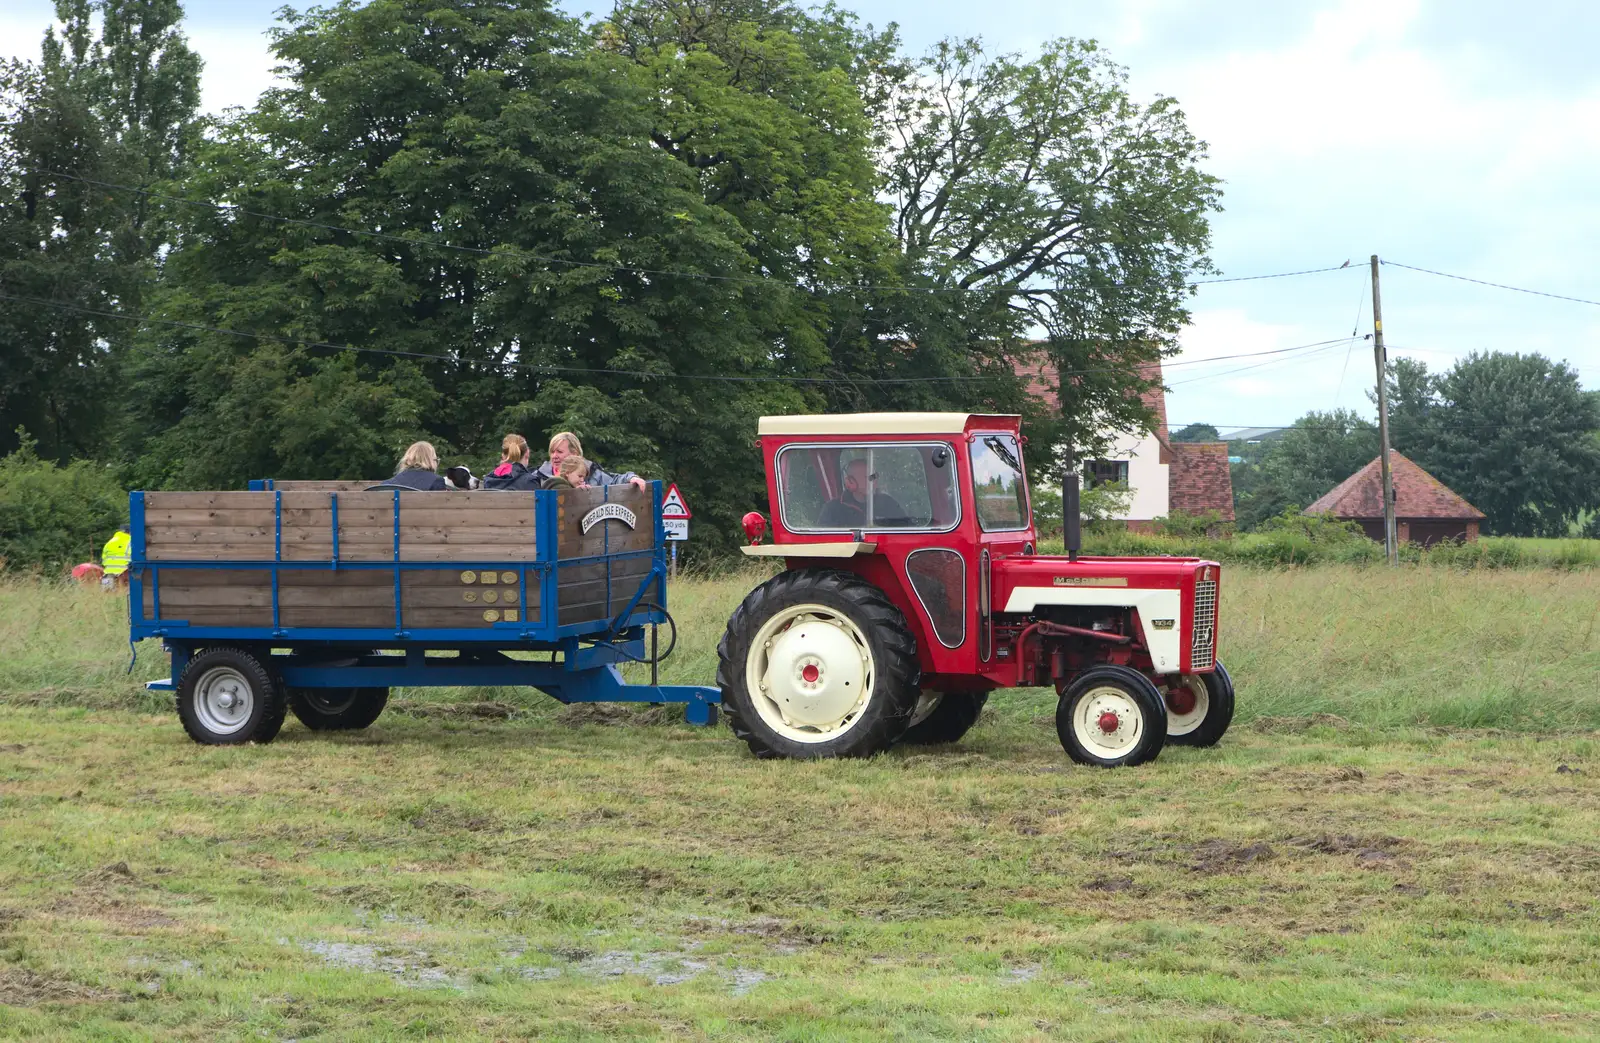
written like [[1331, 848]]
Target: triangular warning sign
[[672, 505]]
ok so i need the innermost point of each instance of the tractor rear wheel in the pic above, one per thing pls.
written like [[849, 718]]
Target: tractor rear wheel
[[226, 696], [337, 709], [818, 663], [943, 717], [1111, 717], [1200, 708]]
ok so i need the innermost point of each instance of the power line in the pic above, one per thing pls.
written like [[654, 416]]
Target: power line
[[1273, 362], [515, 251], [595, 371], [1496, 285]]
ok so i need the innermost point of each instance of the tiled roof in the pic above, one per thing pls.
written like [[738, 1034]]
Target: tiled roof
[[1417, 494], [1041, 382], [1198, 480]]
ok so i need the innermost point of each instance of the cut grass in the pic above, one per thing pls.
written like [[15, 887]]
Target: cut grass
[[582, 874]]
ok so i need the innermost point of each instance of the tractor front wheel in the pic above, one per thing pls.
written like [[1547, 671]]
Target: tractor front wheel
[[943, 717], [1199, 707], [1111, 717], [818, 663]]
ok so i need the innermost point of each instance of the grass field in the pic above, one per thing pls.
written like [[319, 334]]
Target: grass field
[[1397, 841]]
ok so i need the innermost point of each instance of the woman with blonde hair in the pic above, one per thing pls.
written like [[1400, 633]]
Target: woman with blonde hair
[[419, 469], [564, 444], [513, 466]]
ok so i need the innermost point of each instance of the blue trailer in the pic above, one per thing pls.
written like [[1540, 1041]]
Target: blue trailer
[[318, 597]]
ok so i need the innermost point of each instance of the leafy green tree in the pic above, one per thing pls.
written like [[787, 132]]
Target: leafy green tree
[[1513, 434], [112, 102], [1317, 453], [1196, 433], [1037, 194]]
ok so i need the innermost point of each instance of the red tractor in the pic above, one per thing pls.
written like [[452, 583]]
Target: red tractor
[[913, 589]]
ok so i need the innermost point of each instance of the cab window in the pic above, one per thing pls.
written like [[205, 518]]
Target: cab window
[[999, 490], [844, 488]]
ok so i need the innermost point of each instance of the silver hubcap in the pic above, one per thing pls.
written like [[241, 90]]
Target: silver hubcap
[[223, 700], [809, 673], [1107, 722]]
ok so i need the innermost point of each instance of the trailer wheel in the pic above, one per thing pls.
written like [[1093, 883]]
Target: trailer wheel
[[818, 663], [1111, 717], [1200, 708], [226, 696], [943, 717], [337, 709]]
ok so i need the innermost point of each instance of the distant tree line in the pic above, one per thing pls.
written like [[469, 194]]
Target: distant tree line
[[1515, 435], [458, 218]]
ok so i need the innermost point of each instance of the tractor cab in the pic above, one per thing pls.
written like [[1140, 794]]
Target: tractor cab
[[912, 570]]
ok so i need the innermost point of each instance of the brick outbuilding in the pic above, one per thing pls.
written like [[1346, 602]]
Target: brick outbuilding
[[1425, 509]]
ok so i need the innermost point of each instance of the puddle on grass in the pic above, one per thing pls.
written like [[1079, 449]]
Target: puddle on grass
[[412, 967], [418, 969], [1019, 975]]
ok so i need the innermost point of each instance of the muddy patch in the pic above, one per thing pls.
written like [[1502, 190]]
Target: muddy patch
[[1369, 850], [1114, 885], [17, 747], [1220, 856], [1019, 975]]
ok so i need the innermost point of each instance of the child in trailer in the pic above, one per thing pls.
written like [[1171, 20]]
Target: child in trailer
[[571, 473]]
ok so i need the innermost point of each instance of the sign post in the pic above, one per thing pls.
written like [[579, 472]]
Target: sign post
[[675, 515]]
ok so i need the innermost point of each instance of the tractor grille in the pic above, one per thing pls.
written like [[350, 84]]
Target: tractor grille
[[1204, 652]]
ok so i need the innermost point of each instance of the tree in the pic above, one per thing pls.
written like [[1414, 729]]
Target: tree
[[1196, 433], [1513, 434], [1317, 453], [111, 104], [1037, 195]]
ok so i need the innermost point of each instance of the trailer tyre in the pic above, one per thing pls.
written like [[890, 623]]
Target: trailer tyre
[[337, 709], [1112, 717], [943, 717], [1208, 702], [226, 696], [818, 663]]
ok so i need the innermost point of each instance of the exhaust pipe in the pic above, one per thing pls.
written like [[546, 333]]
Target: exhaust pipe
[[1071, 512]]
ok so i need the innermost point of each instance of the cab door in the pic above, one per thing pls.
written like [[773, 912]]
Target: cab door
[[1004, 520]]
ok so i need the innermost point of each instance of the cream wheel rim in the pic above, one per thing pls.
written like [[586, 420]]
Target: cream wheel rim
[[1184, 723], [1107, 722], [809, 673], [927, 702]]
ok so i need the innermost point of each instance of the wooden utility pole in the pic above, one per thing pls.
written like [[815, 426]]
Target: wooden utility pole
[[1391, 546]]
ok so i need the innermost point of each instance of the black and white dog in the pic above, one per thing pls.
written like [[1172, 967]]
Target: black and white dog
[[461, 478]]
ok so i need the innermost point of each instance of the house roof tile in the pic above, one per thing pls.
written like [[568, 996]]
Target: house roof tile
[[1417, 494]]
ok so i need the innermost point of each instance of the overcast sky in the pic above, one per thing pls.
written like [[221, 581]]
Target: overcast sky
[[1461, 136]]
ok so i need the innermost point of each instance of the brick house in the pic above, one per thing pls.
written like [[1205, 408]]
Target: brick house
[[1162, 476], [1425, 509]]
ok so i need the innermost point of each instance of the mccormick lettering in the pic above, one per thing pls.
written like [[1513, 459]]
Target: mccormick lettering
[[1091, 581], [613, 511]]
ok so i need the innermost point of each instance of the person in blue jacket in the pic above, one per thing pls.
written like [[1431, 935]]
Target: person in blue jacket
[[562, 445]]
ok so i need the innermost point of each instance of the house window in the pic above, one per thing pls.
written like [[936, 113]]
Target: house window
[[1100, 472]]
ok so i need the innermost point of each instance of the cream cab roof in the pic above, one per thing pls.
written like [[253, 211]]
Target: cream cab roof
[[873, 423]]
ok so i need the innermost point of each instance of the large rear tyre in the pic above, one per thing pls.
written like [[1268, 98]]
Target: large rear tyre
[[1200, 708], [943, 717], [226, 696], [337, 709], [818, 663], [1112, 717]]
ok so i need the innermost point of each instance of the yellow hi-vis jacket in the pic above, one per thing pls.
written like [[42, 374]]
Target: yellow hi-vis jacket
[[116, 554]]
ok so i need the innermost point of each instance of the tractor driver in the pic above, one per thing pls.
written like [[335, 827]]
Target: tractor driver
[[849, 511]]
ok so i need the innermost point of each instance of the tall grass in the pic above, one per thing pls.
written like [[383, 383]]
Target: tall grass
[[1291, 548], [1431, 647]]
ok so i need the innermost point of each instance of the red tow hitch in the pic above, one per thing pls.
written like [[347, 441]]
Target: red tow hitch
[[1109, 722]]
